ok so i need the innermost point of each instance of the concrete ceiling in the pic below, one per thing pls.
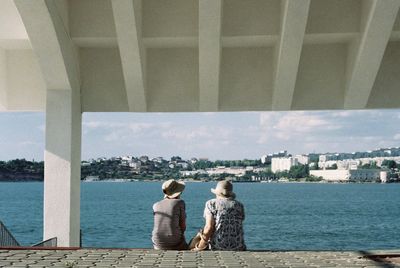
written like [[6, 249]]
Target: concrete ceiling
[[201, 55]]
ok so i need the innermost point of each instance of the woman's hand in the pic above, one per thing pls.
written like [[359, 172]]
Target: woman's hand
[[207, 233]]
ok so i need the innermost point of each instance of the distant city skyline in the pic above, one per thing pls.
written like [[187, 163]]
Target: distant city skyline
[[227, 136]]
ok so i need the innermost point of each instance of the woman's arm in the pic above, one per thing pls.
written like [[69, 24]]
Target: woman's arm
[[182, 223], [182, 218], [207, 232]]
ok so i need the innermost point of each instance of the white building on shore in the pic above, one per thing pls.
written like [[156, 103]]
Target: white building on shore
[[283, 164], [236, 171], [354, 163], [345, 175]]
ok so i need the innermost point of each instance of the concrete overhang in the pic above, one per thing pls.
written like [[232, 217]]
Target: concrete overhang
[[208, 55]]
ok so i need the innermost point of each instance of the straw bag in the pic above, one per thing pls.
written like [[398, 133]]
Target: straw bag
[[195, 241]]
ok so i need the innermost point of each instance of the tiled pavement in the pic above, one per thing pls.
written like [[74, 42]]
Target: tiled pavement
[[153, 258]]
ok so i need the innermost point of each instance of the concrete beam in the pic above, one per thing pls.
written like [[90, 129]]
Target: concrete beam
[[210, 18], [329, 38], [365, 66], [127, 16], [51, 43], [293, 26]]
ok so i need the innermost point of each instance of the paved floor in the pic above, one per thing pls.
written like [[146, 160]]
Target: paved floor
[[154, 258]]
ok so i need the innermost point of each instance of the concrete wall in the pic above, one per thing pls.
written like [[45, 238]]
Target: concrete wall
[[11, 26], [321, 77], [103, 86], [91, 19], [246, 79], [26, 88], [172, 80], [251, 17], [331, 16], [170, 18], [386, 88]]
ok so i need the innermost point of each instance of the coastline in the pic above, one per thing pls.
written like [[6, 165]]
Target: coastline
[[195, 181], [40, 178]]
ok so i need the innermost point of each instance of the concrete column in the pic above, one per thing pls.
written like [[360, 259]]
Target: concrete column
[[62, 167]]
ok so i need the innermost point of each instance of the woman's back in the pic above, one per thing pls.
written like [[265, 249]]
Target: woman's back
[[170, 218], [228, 215], [167, 213]]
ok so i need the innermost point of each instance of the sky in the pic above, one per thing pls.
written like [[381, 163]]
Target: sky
[[235, 135]]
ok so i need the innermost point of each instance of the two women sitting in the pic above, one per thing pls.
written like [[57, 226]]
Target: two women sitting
[[224, 217]]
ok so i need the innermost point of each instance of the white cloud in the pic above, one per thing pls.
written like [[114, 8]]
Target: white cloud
[[233, 135], [138, 127], [302, 122], [200, 141], [286, 126], [95, 124], [28, 143], [181, 133], [265, 131], [267, 119], [208, 113], [133, 126], [342, 114], [113, 136], [42, 128], [123, 131]]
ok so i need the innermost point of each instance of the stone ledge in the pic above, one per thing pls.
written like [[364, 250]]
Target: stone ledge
[[88, 257]]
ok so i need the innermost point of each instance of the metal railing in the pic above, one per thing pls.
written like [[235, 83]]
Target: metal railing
[[52, 242], [6, 238]]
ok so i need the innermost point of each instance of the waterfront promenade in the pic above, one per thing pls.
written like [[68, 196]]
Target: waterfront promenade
[[155, 258]]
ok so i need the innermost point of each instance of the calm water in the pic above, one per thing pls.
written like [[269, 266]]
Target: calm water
[[279, 216]]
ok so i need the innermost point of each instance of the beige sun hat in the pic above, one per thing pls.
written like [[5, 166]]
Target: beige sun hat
[[173, 188], [224, 189]]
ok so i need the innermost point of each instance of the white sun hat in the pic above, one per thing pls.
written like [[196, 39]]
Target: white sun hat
[[224, 189], [173, 188]]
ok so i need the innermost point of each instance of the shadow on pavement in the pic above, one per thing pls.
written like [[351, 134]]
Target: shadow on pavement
[[382, 260]]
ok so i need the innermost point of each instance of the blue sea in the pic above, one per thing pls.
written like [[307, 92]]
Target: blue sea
[[290, 216]]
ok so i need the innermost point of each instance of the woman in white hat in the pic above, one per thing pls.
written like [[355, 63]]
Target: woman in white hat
[[224, 221], [170, 218]]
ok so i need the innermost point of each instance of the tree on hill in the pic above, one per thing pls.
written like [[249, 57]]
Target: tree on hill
[[299, 171], [371, 165], [389, 164], [314, 166], [203, 164], [334, 166]]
